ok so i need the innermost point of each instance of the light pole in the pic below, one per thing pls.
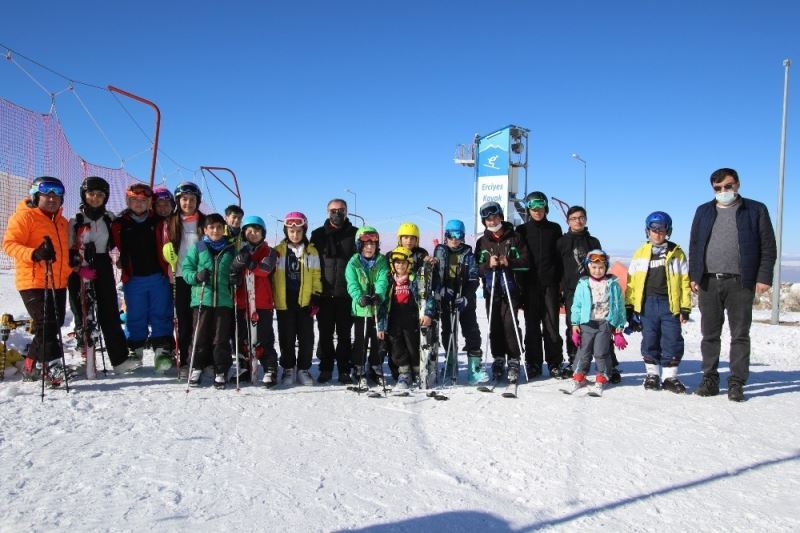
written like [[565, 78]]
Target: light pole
[[441, 223], [277, 222], [776, 285], [363, 222], [355, 200], [578, 158]]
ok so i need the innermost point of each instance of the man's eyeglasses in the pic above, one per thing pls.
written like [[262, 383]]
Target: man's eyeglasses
[[727, 187], [337, 210], [580, 218]]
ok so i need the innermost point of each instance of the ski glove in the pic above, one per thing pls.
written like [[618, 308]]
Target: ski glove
[[368, 299], [619, 340], [634, 322], [460, 303], [268, 263], [74, 258], [89, 252], [313, 306], [242, 260], [44, 252], [235, 278], [203, 276], [576, 338]]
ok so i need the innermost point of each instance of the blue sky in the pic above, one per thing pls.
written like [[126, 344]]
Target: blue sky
[[305, 100]]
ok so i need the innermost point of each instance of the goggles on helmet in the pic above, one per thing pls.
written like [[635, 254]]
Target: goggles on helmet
[[537, 203], [596, 258], [455, 234], [294, 223], [49, 187], [491, 210], [369, 237], [657, 227], [139, 190]]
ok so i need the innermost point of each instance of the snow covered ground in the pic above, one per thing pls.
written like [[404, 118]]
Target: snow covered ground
[[137, 452]]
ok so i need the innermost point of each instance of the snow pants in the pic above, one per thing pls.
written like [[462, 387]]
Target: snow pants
[[107, 308], [365, 333], [569, 296], [334, 317], [596, 338], [467, 319], [213, 346], [148, 301], [502, 337], [47, 317], [183, 312], [662, 340], [541, 325], [296, 326]]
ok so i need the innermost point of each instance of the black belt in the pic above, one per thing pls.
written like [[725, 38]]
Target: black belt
[[721, 275]]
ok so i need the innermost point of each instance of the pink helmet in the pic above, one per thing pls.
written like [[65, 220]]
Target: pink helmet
[[162, 193], [295, 219]]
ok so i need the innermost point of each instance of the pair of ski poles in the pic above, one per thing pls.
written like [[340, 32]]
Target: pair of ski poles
[[513, 319], [50, 289]]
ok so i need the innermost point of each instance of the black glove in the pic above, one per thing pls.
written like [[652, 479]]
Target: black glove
[[634, 322], [449, 295], [242, 260], [685, 314], [89, 252], [74, 258], [365, 300], [268, 263], [460, 302], [45, 251], [315, 299], [203, 276], [235, 278]]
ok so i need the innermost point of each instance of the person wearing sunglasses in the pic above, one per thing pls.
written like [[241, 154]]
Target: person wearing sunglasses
[[501, 254], [297, 285], [542, 288], [335, 241], [732, 253], [37, 234], [145, 280]]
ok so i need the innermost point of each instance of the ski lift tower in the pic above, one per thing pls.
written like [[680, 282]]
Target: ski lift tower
[[499, 159]]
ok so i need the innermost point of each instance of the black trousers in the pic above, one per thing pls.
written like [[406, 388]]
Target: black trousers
[[107, 308], [502, 338], [265, 337], [541, 325], [47, 317], [296, 326], [468, 322], [365, 332], [717, 297], [213, 338], [183, 310], [334, 317]]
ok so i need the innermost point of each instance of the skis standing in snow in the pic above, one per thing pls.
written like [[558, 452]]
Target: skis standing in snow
[[367, 277], [658, 301], [93, 290], [251, 272], [458, 282], [598, 315], [207, 269], [501, 252], [407, 309], [297, 284]]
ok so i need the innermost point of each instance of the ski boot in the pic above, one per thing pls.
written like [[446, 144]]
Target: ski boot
[[451, 369], [163, 359], [578, 380], [304, 378], [498, 366], [196, 376], [403, 384], [219, 381], [31, 371], [652, 382], [475, 369], [599, 384], [288, 377], [513, 371], [270, 378]]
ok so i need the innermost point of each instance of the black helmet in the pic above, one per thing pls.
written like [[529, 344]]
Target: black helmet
[[45, 185], [187, 187], [95, 183], [537, 200]]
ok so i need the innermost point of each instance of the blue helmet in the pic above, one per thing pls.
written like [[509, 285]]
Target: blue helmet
[[658, 220], [253, 220], [454, 229]]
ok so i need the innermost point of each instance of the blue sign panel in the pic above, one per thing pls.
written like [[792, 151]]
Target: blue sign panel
[[493, 154]]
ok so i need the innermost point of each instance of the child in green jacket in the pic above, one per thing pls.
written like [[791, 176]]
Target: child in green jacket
[[367, 276], [207, 269]]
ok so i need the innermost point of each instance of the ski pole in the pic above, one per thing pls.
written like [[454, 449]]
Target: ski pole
[[168, 251], [383, 378], [44, 324], [58, 326], [236, 335], [516, 329], [194, 337], [491, 305]]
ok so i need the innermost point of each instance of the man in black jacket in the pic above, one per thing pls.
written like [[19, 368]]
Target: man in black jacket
[[542, 288], [732, 254], [336, 242]]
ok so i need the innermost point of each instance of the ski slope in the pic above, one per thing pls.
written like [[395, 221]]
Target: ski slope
[[138, 453]]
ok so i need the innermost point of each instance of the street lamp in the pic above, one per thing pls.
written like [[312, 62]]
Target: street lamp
[[355, 200], [363, 222], [278, 221], [441, 222], [578, 158]]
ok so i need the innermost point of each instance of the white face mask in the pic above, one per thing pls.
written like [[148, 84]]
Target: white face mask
[[725, 197], [494, 229]]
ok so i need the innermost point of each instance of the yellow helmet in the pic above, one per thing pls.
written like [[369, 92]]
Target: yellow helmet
[[409, 229], [401, 253]]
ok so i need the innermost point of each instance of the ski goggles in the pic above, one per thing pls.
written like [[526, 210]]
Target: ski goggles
[[294, 223], [658, 228], [455, 234], [395, 257], [491, 210], [369, 237], [139, 190], [537, 203], [48, 187], [596, 258]]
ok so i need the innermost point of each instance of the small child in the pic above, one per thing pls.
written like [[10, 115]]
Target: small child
[[297, 284], [658, 300], [367, 276], [501, 252], [598, 314], [163, 202], [206, 269], [401, 319], [256, 258], [458, 281]]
